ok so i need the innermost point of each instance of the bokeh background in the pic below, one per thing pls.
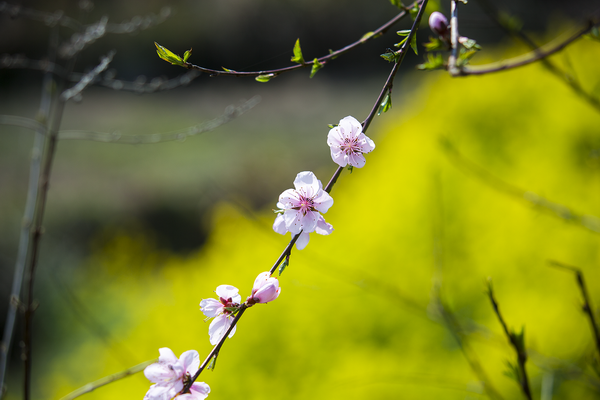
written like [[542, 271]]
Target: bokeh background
[[472, 178]]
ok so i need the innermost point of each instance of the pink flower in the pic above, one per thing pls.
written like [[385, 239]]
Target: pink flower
[[348, 143], [198, 391], [170, 374], [222, 311], [300, 209], [266, 288]]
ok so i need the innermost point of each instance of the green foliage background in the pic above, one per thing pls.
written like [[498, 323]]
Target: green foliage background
[[358, 316]]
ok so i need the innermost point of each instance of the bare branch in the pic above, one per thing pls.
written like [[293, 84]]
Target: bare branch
[[88, 78], [322, 60], [230, 114], [107, 379], [589, 222], [541, 53], [517, 341], [587, 305]]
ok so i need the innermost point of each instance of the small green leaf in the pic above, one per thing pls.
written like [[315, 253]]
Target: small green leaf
[[297, 57], [227, 69], [397, 3], [413, 12], [187, 55], [168, 55], [386, 104], [332, 52], [264, 78], [432, 62], [315, 67], [390, 56], [404, 32], [435, 44], [413, 44], [350, 168], [366, 36], [284, 264], [213, 363]]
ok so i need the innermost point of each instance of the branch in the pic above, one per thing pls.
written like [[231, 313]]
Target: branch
[[493, 13], [539, 54], [587, 305], [287, 251], [322, 60], [230, 114], [452, 324], [137, 23], [140, 85], [107, 379], [589, 222], [517, 341], [88, 78]]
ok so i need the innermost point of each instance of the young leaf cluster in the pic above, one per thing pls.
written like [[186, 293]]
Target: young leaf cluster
[[171, 57]]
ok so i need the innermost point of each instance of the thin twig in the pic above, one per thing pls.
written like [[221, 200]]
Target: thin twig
[[454, 36], [287, 251], [452, 324], [107, 379], [215, 351], [587, 305], [41, 128], [322, 60], [589, 222], [517, 341], [387, 88], [539, 54], [573, 83]]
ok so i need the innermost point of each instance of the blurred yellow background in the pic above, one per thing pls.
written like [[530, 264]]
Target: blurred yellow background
[[363, 312]]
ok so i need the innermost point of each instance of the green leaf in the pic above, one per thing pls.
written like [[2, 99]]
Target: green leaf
[[413, 44], [386, 104], [228, 70], [298, 58], [168, 55], [284, 264], [187, 55], [332, 52], [435, 44], [397, 3], [433, 61], [350, 168], [413, 12], [390, 56], [404, 32], [264, 78], [213, 363], [315, 67]]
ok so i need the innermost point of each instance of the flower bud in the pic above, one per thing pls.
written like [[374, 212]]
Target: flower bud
[[266, 288], [438, 23]]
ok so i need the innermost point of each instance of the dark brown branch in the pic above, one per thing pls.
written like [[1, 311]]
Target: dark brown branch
[[517, 341], [323, 60], [588, 222], [587, 305], [493, 13], [539, 54]]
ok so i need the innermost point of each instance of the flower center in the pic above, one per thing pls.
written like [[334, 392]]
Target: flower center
[[306, 204], [350, 146]]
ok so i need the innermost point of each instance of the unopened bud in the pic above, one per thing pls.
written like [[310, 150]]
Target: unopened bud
[[438, 23]]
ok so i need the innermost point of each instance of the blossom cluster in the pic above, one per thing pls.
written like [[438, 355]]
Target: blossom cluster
[[299, 209], [300, 213]]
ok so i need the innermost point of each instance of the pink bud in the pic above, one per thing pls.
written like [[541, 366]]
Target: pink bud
[[438, 23], [266, 288]]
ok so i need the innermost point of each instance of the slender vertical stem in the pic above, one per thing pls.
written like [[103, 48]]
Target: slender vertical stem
[[453, 60], [517, 344], [30, 203], [37, 228]]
